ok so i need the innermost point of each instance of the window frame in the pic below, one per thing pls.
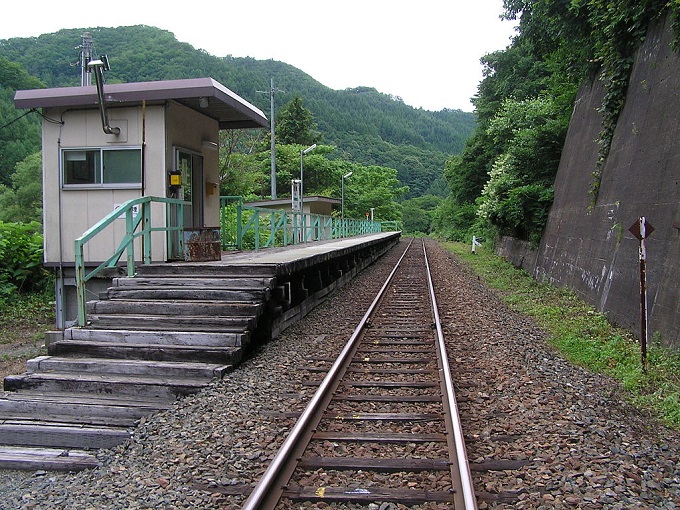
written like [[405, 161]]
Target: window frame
[[101, 184]]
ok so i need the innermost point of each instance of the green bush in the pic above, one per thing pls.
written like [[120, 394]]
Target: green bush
[[21, 259]]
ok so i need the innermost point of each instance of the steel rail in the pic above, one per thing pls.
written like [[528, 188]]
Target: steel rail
[[467, 488], [262, 488]]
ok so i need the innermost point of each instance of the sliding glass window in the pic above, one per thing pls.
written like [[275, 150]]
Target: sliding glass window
[[102, 167]]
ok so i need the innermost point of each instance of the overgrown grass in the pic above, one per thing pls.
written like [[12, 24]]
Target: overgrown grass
[[584, 336], [26, 318]]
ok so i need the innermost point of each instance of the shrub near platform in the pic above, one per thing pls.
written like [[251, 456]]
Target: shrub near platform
[[21, 259], [585, 336]]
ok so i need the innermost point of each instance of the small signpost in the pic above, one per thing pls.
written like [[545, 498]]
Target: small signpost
[[642, 229], [475, 243]]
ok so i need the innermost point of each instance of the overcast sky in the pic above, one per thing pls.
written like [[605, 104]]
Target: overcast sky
[[426, 51]]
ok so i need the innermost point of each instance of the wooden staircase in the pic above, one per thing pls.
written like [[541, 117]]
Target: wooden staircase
[[150, 339]]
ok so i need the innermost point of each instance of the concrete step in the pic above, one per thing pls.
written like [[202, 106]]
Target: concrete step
[[171, 323], [168, 369], [106, 384], [165, 338], [174, 308], [61, 435], [33, 459], [186, 294], [235, 282], [152, 352]]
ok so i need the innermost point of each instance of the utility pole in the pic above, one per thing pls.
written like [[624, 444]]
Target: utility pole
[[272, 172], [85, 57]]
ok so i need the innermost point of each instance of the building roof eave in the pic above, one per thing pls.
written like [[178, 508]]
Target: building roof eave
[[229, 109]]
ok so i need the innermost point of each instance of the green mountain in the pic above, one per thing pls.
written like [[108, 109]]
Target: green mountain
[[366, 126]]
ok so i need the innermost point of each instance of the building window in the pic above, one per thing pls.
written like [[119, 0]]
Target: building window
[[101, 167]]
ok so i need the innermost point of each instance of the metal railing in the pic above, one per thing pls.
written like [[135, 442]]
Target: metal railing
[[247, 227], [391, 226], [137, 224]]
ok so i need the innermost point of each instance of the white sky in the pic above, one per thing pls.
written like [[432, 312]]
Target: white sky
[[426, 51]]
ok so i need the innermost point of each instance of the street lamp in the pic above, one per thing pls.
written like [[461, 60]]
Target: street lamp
[[302, 192], [342, 201]]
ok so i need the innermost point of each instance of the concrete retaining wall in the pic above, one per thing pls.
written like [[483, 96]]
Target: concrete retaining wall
[[519, 253], [589, 248]]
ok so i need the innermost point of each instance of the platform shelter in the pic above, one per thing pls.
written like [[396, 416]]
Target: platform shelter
[[105, 145]]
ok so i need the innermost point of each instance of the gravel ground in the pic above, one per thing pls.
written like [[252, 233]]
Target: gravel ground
[[582, 446]]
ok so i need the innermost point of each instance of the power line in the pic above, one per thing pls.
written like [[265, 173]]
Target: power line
[[18, 118]]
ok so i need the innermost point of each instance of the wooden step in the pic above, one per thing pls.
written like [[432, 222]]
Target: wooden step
[[235, 282], [171, 323], [152, 352], [186, 294], [51, 415], [151, 337], [146, 404], [207, 269], [170, 308], [167, 369], [32, 459], [74, 407], [104, 413], [65, 435], [154, 387]]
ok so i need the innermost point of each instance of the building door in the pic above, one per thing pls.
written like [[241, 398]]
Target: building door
[[190, 164]]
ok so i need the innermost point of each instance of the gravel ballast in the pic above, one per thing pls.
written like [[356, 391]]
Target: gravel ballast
[[578, 444]]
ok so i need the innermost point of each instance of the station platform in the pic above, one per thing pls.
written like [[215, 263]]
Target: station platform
[[299, 276], [293, 258]]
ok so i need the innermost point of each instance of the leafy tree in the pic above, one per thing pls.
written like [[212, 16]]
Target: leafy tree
[[19, 132], [418, 213], [241, 159], [457, 222], [374, 187], [23, 201], [296, 125], [517, 197]]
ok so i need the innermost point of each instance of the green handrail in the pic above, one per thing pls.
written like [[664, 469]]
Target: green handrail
[[262, 227], [230, 238], [132, 222]]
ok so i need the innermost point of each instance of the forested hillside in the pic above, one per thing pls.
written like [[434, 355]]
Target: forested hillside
[[503, 182], [366, 126]]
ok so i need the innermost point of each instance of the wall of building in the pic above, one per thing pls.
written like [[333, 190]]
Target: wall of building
[[588, 247], [188, 130], [68, 213]]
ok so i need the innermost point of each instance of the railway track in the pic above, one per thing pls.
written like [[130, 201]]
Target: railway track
[[383, 425]]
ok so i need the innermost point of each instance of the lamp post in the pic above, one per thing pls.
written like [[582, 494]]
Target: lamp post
[[342, 200], [302, 191], [302, 180]]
